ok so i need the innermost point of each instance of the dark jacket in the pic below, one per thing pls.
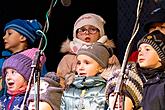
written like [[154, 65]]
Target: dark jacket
[[154, 89]]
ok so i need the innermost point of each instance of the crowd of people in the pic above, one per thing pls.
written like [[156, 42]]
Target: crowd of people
[[86, 77]]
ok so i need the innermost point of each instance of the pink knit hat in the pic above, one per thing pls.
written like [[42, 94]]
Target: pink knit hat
[[31, 54], [22, 62], [89, 19]]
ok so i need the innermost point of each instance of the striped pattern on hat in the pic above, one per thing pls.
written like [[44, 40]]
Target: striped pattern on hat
[[157, 40], [132, 85], [22, 62], [28, 28]]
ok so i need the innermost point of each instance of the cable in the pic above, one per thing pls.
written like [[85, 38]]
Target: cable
[[120, 78]]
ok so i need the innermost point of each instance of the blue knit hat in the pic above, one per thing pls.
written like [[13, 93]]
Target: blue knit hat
[[27, 28], [22, 62]]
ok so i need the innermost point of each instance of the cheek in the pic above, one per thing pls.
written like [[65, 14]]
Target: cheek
[[80, 37]]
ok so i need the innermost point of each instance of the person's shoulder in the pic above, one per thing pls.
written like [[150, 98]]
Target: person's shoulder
[[133, 57]]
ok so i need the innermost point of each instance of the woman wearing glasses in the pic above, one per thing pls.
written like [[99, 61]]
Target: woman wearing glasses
[[88, 29]]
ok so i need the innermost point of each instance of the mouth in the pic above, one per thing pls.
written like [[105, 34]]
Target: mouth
[[140, 60], [87, 39], [82, 74], [10, 83]]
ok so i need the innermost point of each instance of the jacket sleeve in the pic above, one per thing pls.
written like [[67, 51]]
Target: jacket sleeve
[[66, 66]]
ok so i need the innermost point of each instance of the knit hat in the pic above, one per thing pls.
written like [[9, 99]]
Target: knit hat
[[157, 40], [50, 91], [132, 85], [27, 28], [98, 51], [89, 19], [22, 62], [156, 16]]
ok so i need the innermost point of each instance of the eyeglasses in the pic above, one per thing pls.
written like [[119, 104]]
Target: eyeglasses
[[89, 30]]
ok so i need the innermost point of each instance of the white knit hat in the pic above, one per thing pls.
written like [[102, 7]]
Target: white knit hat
[[89, 19]]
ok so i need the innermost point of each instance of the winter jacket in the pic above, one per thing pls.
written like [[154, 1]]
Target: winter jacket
[[69, 61], [154, 89], [11, 102], [85, 93]]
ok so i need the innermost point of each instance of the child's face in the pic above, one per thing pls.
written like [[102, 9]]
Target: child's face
[[14, 80], [148, 57], [12, 40], [88, 33], [157, 26], [86, 66]]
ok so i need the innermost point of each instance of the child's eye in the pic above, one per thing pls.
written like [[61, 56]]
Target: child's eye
[[6, 72], [147, 49], [139, 50], [86, 62], [78, 63], [14, 72]]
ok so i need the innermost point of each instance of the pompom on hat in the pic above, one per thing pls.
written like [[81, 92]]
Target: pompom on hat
[[157, 40], [22, 62], [89, 19], [28, 28], [98, 51]]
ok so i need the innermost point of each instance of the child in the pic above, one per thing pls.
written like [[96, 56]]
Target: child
[[150, 69], [21, 35], [151, 59], [87, 89], [50, 93], [16, 71], [88, 29], [130, 95], [156, 21]]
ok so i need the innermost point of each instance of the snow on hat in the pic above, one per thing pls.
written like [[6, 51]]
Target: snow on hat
[[157, 40], [50, 90], [22, 62], [156, 16], [89, 19], [98, 51], [28, 28]]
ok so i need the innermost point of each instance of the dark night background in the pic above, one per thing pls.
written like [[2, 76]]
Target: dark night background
[[118, 14]]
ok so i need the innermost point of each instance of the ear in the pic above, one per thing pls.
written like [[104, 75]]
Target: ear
[[22, 38], [100, 69], [159, 60]]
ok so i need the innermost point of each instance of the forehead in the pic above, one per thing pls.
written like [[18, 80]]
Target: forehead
[[144, 45], [157, 24], [88, 26], [83, 57]]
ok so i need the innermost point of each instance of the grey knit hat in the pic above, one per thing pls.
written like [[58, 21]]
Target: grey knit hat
[[50, 91], [98, 51], [28, 28], [157, 40]]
